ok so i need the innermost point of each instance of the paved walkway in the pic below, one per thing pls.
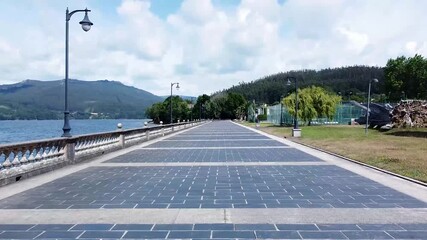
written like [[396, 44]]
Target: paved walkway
[[216, 181]]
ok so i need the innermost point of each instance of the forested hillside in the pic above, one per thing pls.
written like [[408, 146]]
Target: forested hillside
[[350, 82], [32, 99]]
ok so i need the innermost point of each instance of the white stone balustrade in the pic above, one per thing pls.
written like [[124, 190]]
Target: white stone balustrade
[[23, 160]]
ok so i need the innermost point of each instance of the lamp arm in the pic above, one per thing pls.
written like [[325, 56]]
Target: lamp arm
[[69, 14]]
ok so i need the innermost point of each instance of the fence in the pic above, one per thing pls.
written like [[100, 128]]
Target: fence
[[343, 115], [23, 160]]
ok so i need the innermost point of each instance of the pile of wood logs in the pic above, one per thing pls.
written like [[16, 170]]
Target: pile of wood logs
[[410, 113]]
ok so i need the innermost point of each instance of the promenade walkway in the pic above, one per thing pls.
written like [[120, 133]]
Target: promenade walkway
[[216, 181]]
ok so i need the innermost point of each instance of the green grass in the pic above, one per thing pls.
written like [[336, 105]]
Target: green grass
[[402, 151]]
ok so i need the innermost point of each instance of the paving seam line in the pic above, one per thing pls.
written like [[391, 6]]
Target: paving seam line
[[350, 160]]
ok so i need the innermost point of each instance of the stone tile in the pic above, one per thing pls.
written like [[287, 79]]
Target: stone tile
[[52, 227], [132, 227], [366, 235], [277, 234], [415, 234], [233, 234], [339, 227], [95, 227], [255, 227], [215, 155], [297, 227], [102, 234], [380, 227], [181, 227], [211, 187], [146, 234], [217, 226], [15, 227], [19, 235], [322, 235], [189, 234], [60, 234], [414, 226]]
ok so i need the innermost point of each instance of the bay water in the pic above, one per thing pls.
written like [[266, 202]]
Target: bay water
[[13, 131]]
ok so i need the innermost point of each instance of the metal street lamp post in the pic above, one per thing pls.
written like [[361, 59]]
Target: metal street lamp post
[[177, 88], [281, 111], [369, 101], [296, 132], [86, 25]]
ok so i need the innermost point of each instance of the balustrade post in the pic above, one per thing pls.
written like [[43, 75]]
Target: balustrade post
[[147, 135], [122, 136], [70, 151], [162, 129]]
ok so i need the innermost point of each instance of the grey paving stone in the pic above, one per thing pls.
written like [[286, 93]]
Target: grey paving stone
[[52, 227], [60, 234], [181, 227], [380, 227], [233, 234], [297, 227], [97, 227], [215, 155], [146, 234], [102, 234], [15, 227], [255, 227], [189, 234], [322, 235], [217, 226], [339, 227], [367, 235], [211, 187], [277, 234], [415, 234], [236, 143], [414, 226], [19, 235], [132, 227]]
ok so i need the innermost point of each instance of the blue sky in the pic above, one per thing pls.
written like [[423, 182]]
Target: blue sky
[[206, 45]]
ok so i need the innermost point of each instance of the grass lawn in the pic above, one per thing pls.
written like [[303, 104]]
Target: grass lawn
[[401, 151]]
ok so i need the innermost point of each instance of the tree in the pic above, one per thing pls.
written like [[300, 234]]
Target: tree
[[161, 111], [313, 102], [406, 78], [201, 103]]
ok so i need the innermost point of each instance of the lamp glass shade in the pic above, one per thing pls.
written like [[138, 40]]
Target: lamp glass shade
[[86, 27], [86, 23]]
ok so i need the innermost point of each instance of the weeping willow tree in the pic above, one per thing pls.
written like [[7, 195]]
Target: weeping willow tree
[[313, 102]]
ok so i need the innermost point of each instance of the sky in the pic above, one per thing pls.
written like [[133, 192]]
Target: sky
[[205, 45]]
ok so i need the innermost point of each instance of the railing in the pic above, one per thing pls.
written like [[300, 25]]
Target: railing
[[23, 160]]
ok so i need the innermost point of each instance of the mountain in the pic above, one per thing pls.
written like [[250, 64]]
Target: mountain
[[33, 99], [350, 82]]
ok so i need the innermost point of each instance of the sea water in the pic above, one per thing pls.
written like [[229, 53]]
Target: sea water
[[12, 131]]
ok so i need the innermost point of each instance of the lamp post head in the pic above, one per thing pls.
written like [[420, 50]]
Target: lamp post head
[[289, 82], [375, 80], [177, 86], [86, 23]]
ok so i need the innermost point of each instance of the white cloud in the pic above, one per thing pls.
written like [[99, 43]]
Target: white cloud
[[203, 46]]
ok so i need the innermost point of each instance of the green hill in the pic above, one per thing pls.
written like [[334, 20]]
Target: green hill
[[32, 99], [350, 82]]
